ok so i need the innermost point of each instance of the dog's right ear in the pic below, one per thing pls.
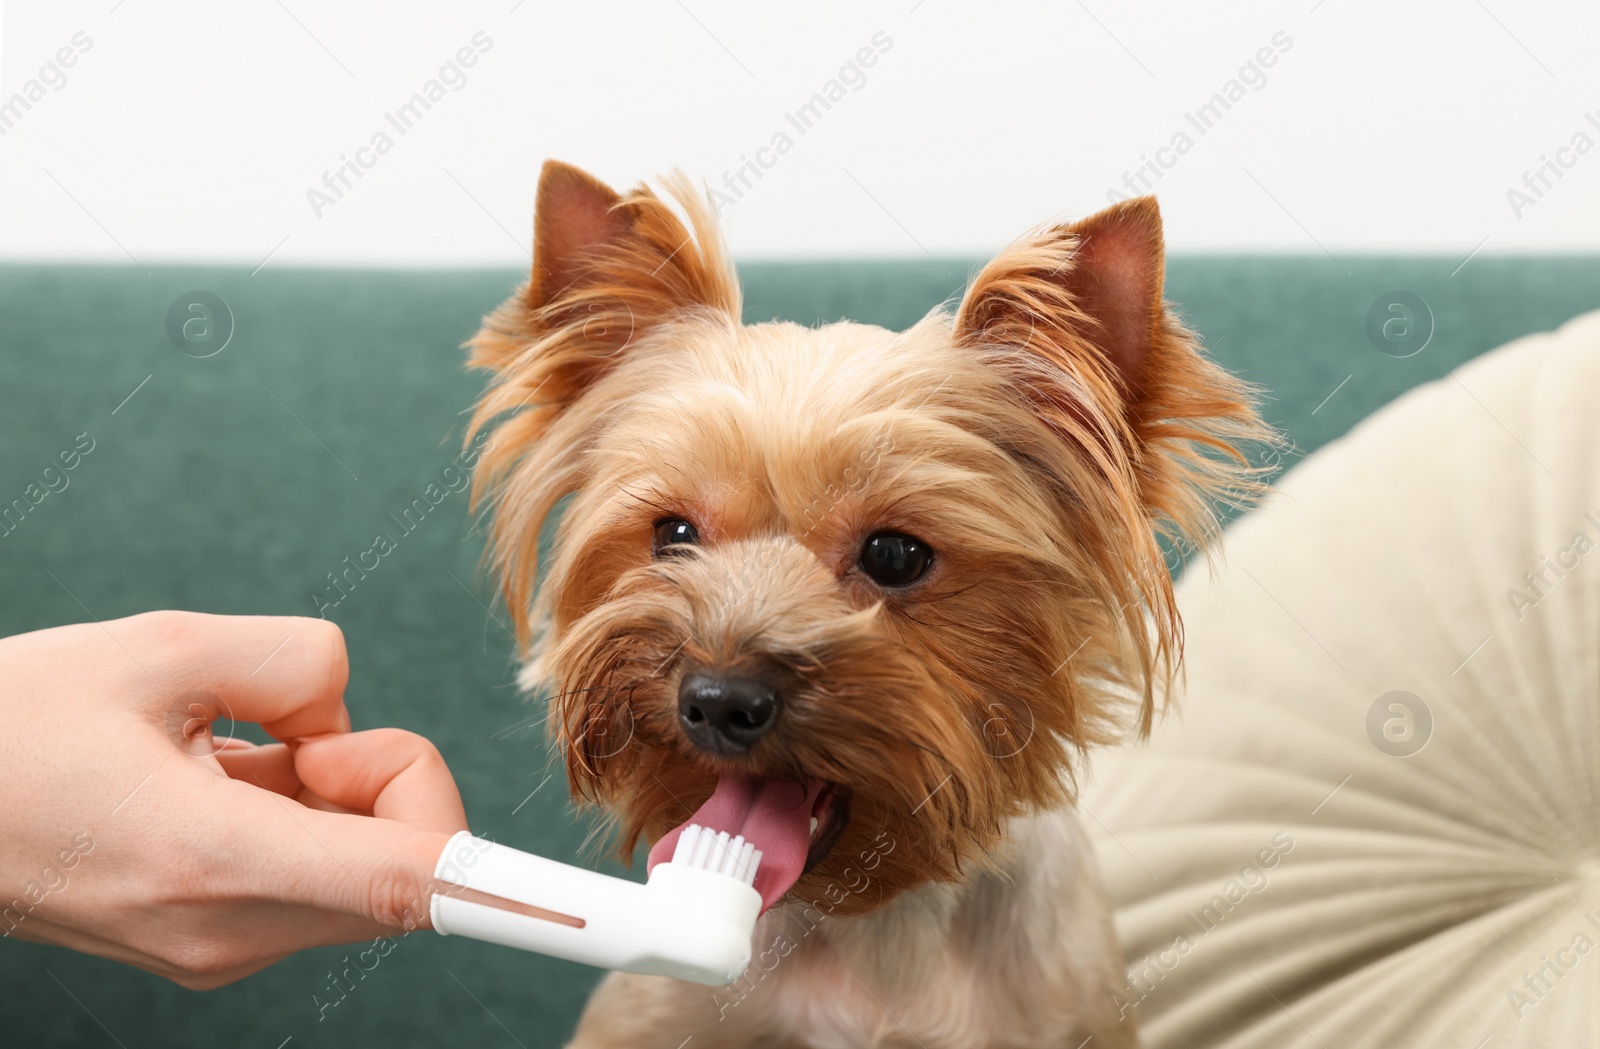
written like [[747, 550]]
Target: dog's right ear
[[575, 217], [606, 269]]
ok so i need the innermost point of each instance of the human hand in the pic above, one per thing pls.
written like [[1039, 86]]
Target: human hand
[[129, 833]]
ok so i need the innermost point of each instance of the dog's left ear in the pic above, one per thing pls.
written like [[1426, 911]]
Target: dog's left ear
[[1149, 432], [1075, 313], [1085, 298], [607, 268], [1098, 281]]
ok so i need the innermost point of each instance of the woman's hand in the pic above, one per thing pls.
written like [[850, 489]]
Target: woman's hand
[[128, 832]]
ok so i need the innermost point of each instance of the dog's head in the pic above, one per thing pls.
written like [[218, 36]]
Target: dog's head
[[886, 582]]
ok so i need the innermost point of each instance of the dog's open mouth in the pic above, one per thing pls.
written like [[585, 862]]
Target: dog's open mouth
[[795, 825]]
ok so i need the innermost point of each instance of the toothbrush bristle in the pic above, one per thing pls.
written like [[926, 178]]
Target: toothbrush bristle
[[685, 847], [745, 870], [702, 848], [719, 852]]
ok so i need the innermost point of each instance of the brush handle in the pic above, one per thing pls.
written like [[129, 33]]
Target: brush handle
[[685, 922]]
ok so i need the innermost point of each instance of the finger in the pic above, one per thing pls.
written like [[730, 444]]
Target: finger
[[36, 929], [211, 981], [389, 772], [84, 943], [242, 937], [314, 930], [271, 767], [375, 870], [314, 801], [285, 673]]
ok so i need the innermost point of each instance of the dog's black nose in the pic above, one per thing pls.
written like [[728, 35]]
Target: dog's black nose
[[723, 714]]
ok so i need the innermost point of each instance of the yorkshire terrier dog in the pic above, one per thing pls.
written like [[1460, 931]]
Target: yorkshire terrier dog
[[865, 597]]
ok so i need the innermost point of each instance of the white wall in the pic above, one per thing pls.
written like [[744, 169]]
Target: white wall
[[195, 130]]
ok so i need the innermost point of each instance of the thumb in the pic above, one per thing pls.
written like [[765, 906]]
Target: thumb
[[371, 868], [378, 867], [389, 772]]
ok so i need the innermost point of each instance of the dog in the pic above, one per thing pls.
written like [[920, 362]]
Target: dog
[[866, 596]]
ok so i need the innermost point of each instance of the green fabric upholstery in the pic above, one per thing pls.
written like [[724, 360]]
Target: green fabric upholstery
[[236, 483]]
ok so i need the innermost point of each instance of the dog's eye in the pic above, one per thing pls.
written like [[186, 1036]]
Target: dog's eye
[[671, 532], [892, 559]]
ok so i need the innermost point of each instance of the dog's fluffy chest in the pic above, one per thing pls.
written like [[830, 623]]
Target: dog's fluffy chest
[[1011, 958]]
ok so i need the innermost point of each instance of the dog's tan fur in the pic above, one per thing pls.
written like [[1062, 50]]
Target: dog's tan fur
[[1040, 439]]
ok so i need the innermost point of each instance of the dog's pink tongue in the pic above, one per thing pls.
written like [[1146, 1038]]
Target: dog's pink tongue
[[774, 815]]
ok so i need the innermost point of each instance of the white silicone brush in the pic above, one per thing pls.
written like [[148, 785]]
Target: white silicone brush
[[693, 919]]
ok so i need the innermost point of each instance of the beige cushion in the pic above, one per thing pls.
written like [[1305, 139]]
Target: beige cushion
[[1283, 875]]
